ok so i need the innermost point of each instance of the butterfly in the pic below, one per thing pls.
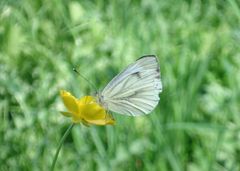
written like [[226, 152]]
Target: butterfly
[[135, 90]]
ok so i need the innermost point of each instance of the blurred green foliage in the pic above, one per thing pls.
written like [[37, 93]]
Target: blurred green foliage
[[196, 125]]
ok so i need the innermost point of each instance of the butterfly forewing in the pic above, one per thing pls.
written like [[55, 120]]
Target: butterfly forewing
[[135, 90]]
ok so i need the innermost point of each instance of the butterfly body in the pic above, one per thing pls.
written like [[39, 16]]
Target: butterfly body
[[135, 90]]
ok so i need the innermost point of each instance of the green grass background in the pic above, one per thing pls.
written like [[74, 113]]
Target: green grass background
[[196, 125]]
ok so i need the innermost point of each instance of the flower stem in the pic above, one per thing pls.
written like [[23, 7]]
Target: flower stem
[[60, 145]]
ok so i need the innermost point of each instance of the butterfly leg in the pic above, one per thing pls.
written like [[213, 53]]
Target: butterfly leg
[[109, 115]]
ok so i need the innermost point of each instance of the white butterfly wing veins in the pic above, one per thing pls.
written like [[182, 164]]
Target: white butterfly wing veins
[[135, 90]]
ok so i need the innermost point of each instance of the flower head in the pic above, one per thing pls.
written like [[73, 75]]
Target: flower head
[[85, 110]]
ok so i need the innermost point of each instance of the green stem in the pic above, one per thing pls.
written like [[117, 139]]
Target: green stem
[[60, 145]]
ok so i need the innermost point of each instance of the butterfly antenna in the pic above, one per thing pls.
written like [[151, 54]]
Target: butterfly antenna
[[91, 84]]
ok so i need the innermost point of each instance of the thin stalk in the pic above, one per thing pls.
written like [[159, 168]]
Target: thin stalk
[[60, 145]]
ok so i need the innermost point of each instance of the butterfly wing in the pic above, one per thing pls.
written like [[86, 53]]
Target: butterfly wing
[[135, 90]]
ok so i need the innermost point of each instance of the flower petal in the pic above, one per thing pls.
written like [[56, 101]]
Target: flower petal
[[87, 100], [90, 110], [102, 122], [93, 112], [70, 102]]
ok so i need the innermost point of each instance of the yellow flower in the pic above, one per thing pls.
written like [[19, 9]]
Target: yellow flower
[[85, 110]]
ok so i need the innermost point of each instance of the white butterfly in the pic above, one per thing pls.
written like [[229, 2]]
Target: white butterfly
[[135, 90]]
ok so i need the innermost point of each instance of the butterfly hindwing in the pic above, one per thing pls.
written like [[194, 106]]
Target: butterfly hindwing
[[135, 90]]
